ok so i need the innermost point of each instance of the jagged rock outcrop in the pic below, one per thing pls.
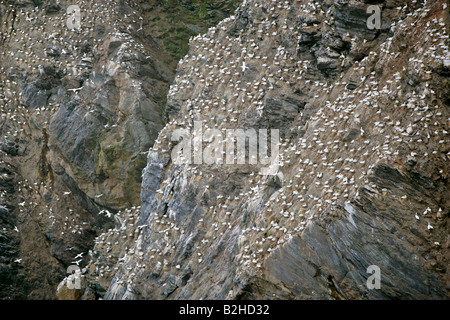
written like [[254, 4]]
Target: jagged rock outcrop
[[362, 178]]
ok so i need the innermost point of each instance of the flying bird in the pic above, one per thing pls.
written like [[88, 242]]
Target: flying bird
[[77, 262], [80, 255]]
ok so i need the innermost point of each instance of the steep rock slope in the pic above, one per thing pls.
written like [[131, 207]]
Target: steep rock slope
[[82, 101], [10, 278], [364, 160]]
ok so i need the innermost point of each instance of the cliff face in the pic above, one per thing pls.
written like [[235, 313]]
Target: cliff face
[[363, 172], [77, 113], [82, 100], [90, 117]]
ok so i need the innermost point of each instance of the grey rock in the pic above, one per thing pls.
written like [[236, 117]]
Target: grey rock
[[3, 212]]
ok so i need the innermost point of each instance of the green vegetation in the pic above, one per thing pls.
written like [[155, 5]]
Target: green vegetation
[[80, 174], [101, 138], [186, 19], [176, 40]]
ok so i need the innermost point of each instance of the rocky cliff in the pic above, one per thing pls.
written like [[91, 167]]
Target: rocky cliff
[[83, 87], [361, 178], [363, 174]]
